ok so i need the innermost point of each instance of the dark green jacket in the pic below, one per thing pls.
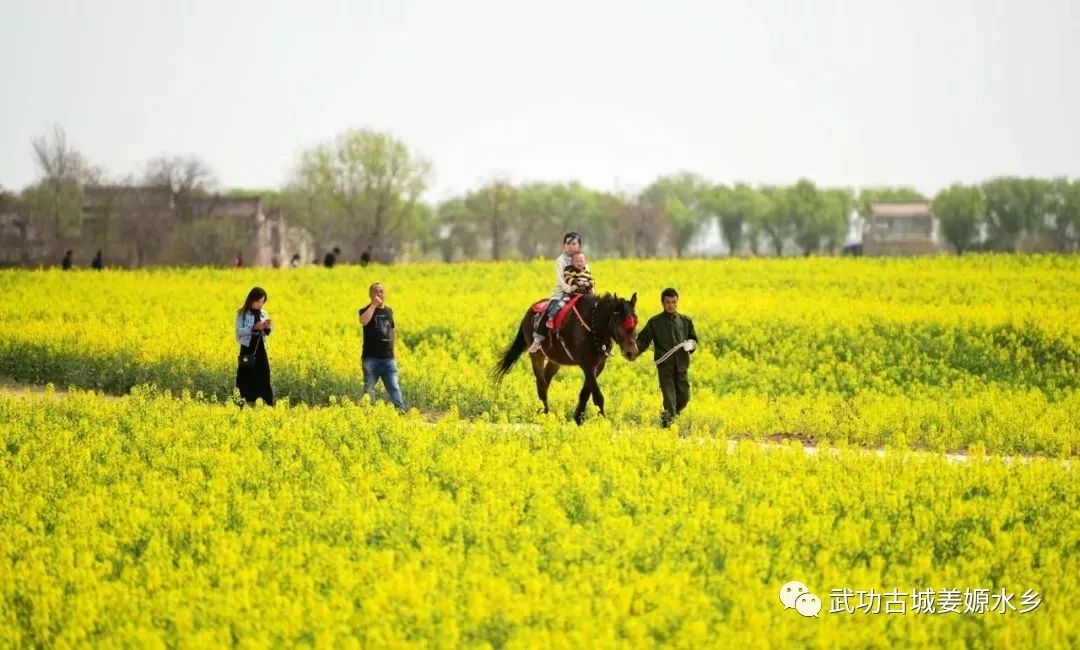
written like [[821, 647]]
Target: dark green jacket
[[665, 331]]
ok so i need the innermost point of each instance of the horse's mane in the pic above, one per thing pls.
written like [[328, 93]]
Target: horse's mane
[[608, 300], [608, 304]]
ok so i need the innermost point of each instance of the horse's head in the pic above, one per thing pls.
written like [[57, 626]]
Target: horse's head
[[622, 325]]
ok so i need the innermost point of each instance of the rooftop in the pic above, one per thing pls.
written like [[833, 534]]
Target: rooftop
[[901, 209]]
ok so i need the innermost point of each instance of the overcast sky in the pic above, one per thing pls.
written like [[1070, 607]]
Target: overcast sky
[[861, 92]]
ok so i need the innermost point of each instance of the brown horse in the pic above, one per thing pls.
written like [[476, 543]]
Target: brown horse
[[585, 340]]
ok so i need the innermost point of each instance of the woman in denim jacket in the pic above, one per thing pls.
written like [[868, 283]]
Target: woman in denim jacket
[[253, 326]]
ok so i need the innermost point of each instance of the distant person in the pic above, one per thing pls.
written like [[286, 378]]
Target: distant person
[[294, 263], [377, 355], [253, 327], [97, 263], [239, 261], [66, 262], [331, 258], [365, 258]]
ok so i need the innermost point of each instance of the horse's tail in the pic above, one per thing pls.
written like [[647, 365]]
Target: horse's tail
[[510, 355]]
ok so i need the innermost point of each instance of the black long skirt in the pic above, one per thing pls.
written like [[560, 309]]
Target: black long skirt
[[253, 381]]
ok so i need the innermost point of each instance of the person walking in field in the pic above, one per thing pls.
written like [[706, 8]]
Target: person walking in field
[[377, 356], [253, 327], [674, 340]]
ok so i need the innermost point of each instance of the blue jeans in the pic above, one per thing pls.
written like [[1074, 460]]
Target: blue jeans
[[385, 369], [553, 307]]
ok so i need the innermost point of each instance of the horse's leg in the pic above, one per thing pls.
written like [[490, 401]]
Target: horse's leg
[[587, 389], [597, 396], [541, 379], [549, 373]]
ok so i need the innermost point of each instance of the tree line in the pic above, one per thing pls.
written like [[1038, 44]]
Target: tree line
[[362, 191]]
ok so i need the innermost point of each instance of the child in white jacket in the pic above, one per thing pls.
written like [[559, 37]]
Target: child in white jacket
[[571, 245]]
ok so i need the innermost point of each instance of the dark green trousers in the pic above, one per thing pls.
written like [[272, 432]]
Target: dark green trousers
[[675, 387]]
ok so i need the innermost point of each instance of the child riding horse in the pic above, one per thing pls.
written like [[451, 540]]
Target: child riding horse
[[585, 341]]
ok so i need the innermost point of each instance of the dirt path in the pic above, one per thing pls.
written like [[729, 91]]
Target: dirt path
[[772, 442], [33, 390]]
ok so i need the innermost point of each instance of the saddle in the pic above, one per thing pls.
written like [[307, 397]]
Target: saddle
[[564, 313]]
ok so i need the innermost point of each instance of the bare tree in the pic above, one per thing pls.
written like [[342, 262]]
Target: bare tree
[[188, 179], [639, 226], [145, 216], [63, 172]]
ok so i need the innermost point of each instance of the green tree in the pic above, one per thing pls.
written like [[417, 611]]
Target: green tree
[[960, 209], [456, 231], [1065, 212], [362, 189], [808, 215], [838, 202], [1015, 206], [683, 198], [774, 220], [494, 210], [747, 207], [549, 209]]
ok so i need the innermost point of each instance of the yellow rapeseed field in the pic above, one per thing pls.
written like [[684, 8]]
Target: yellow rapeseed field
[[941, 353], [161, 522], [179, 520]]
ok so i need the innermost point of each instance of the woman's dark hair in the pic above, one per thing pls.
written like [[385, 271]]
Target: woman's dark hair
[[256, 293]]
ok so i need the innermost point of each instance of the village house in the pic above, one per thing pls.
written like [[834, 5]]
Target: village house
[[138, 225], [901, 228]]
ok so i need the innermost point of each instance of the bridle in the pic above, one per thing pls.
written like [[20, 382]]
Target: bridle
[[602, 337]]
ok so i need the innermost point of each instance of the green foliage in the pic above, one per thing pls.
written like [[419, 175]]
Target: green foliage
[[1015, 205], [685, 200], [362, 189], [960, 209]]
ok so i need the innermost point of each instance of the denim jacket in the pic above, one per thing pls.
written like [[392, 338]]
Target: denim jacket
[[244, 323]]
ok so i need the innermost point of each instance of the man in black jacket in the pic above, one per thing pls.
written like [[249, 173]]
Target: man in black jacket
[[675, 339]]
